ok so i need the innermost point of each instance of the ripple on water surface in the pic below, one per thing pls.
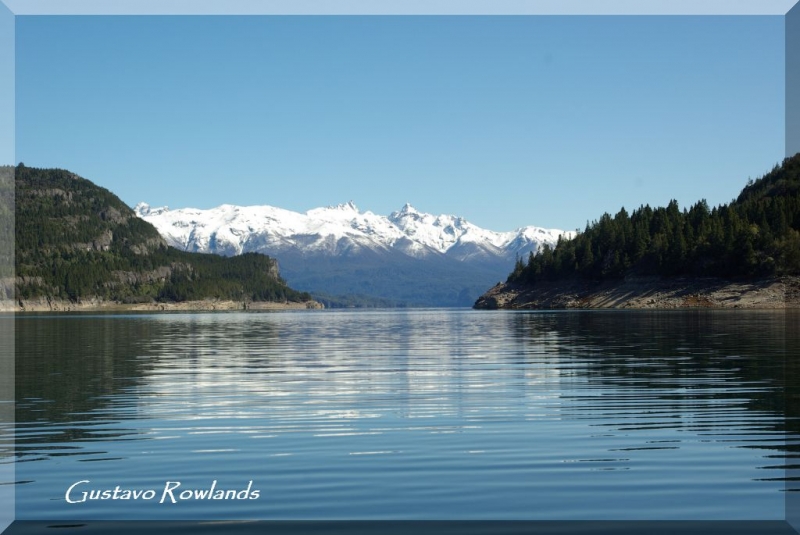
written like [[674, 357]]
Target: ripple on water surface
[[408, 414]]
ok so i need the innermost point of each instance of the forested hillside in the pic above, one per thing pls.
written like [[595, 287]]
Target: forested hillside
[[75, 241], [756, 235], [6, 227]]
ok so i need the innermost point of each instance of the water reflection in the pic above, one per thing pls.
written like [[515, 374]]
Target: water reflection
[[411, 414]]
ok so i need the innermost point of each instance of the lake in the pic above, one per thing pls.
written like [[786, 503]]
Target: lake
[[405, 415]]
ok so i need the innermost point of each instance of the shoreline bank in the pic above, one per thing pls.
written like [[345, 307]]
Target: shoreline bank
[[94, 305], [646, 293]]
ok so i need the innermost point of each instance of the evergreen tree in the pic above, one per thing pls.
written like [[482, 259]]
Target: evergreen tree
[[757, 234]]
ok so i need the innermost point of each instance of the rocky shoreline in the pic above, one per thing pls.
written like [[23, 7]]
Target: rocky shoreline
[[96, 305], [646, 293]]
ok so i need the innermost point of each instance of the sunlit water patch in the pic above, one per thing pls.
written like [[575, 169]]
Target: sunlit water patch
[[419, 414]]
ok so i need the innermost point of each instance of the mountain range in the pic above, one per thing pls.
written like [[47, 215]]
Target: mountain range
[[408, 258]]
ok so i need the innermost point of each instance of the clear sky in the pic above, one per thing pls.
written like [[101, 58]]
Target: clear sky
[[506, 121]]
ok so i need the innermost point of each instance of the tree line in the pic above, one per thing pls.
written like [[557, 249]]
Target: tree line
[[755, 235], [75, 240]]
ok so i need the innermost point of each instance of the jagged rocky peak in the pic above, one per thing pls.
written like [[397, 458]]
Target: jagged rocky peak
[[405, 212], [349, 206], [143, 210]]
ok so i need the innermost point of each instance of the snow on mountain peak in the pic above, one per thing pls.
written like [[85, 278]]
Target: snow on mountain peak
[[408, 209], [349, 206], [143, 210], [337, 212], [234, 229]]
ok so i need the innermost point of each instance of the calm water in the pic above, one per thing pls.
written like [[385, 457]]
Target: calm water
[[424, 414]]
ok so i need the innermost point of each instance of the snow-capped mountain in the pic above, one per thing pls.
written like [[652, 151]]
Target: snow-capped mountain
[[342, 250], [232, 230]]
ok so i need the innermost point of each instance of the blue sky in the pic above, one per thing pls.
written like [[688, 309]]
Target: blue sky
[[507, 121]]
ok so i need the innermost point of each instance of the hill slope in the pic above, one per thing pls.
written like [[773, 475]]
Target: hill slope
[[753, 239], [76, 241]]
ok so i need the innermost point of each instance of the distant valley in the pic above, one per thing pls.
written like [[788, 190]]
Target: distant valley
[[345, 256]]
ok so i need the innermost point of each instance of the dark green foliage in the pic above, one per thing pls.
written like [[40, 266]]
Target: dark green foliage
[[247, 277], [6, 222], [758, 234], [75, 240], [356, 301]]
